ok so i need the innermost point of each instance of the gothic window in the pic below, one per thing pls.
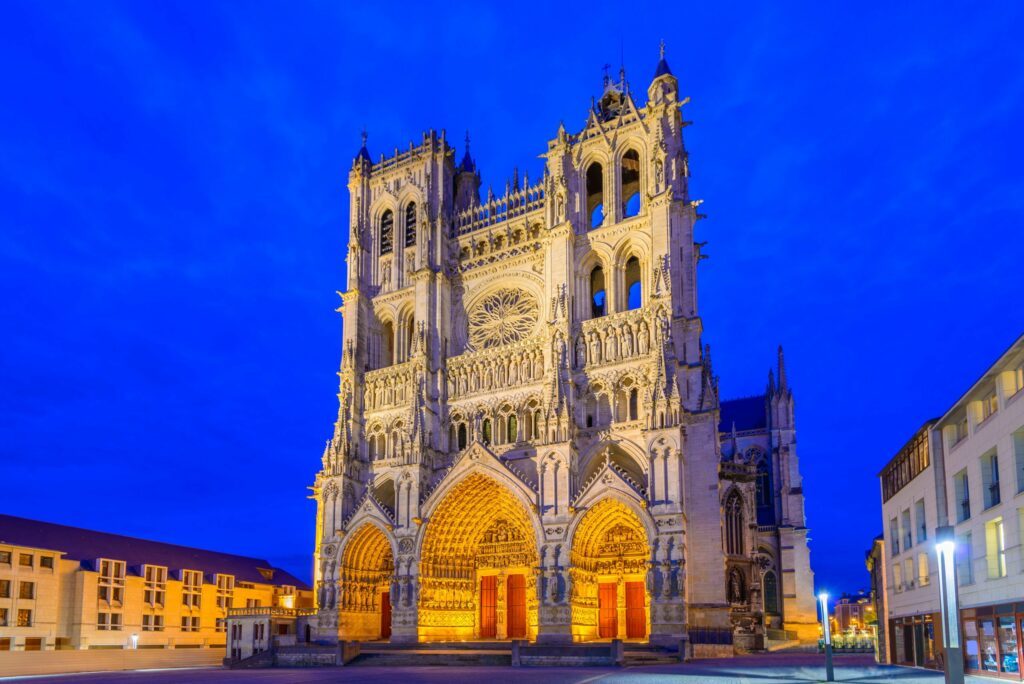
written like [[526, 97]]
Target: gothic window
[[595, 194], [487, 430], [387, 345], [410, 328], [503, 318], [734, 524], [536, 424], [410, 224], [462, 437], [511, 431], [634, 289], [634, 400], [387, 232], [598, 298], [771, 592], [630, 184]]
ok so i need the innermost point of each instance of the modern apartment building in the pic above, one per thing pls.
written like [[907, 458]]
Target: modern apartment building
[[68, 588], [964, 469]]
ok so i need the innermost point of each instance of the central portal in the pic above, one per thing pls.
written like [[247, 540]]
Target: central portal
[[477, 566]]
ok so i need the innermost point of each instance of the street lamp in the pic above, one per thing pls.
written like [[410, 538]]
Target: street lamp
[[135, 641], [945, 546], [827, 633]]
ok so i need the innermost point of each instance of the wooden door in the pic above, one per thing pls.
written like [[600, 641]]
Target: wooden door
[[636, 614], [515, 597], [385, 615], [608, 610], [489, 607]]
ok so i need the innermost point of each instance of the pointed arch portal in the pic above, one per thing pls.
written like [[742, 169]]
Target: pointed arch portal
[[609, 569], [477, 566], [367, 566]]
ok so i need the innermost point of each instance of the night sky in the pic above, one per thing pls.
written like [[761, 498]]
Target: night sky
[[173, 193]]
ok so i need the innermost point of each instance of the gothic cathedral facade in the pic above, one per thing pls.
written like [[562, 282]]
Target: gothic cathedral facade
[[530, 442]]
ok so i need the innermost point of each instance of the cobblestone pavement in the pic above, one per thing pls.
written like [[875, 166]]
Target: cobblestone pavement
[[760, 669]]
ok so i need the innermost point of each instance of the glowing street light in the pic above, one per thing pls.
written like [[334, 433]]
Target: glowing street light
[[827, 633], [135, 641], [945, 546]]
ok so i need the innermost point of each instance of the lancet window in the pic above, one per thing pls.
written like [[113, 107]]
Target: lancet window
[[387, 232], [595, 194], [630, 178], [410, 224], [734, 524]]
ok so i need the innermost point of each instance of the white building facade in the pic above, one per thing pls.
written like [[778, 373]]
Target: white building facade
[[530, 442], [973, 479]]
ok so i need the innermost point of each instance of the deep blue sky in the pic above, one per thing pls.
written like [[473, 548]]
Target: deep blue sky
[[172, 194]]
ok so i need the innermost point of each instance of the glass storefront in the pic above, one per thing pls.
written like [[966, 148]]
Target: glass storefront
[[992, 639], [913, 640]]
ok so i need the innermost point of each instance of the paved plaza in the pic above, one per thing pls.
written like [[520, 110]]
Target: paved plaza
[[761, 669]]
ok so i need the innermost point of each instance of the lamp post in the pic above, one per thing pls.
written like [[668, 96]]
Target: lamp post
[[945, 546], [827, 633]]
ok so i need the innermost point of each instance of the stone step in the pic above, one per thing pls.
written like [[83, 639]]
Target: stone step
[[439, 646], [432, 657]]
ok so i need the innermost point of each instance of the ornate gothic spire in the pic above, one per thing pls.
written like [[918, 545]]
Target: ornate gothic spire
[[662, 68], [782, 371]]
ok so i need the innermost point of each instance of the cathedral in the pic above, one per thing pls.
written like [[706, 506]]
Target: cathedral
[[530, 441]]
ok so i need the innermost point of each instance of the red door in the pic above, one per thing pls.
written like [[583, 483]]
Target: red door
[[515, 596], [489, 607], [608, 610], [636, 614], [385, 615]]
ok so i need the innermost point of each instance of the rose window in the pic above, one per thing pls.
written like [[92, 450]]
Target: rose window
[[502, 318]]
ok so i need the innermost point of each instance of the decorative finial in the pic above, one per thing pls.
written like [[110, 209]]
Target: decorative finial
[[662, 49], [364, 136], [606, 67], [467, 138]]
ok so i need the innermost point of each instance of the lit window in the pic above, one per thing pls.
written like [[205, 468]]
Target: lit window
[[897, 577], [25, 560], [922, 523], [191, 587], [24, 617], [3, 617], [225, 591], [27, 590], [110, 583], [989, 405], [923, 573], [995, 548], [155, 585]]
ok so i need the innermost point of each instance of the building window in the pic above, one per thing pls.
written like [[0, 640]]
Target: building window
[[897, 577], [46, 562], [908, 464], [965, 560], [155, 585], [5, 557], [923, 573], [989, 406], [961, 489], [152, 623], [108, 621], [487, 430], [191, 588], [410, 224], [771, 592], [734, 524], [387, 232], [1016, 383], [26, 590], [990, 478], [908, 572], [630, 184], [894, 536], [25, 560], [595, 195], [1018, 456], [906, 530], [995, 548], [922, 522], [225, 591], [110, 583], [189, 623], [221, 625], [598, 296], [960, 431], [5, 588], [4, 617], [24, 617]]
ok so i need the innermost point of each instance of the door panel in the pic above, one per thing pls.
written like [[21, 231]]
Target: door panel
[[515, 596], [636, 614], [385, 615], [608, 610], [488, 607]]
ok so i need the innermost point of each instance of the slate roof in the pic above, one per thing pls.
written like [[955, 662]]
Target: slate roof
[[748, 413], [86, 546]]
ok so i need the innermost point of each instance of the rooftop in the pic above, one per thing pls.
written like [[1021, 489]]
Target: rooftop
[[86, 546]]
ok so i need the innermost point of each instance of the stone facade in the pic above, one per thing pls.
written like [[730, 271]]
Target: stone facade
[[530, 442]]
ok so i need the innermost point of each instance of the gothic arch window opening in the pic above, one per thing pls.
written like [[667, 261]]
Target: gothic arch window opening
[[512, 429], [634, 401], [387, 344], [630, 178], [634, 287], [598, 294], [387, 232], [462, 436], [595, 194], [487, 430], [410, 224], [734, 524], [771, 592]]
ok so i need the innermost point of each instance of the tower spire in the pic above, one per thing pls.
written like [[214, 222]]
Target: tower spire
[[662, 69], [363, 152], [782, 371]]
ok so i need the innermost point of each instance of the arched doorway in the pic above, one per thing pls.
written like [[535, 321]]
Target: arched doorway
[[367, 566], [609, 570], [477, 566]]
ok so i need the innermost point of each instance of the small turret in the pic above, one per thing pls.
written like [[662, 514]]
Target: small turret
[[363, 155], [467, 182], [664, 86]]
